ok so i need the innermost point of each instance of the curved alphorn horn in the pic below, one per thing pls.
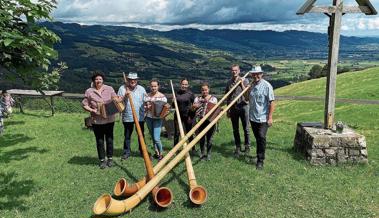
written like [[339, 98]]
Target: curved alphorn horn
[[162, 195], [122, 188], [106, 205], [198, 194]]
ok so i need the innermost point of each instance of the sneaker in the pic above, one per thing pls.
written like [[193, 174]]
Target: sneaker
[[160, 157], [208, 157], [247, 149], [237, 152], [124, 157], [103, 164], [259, 165], [203, 157], [156, 156], [109, 162]]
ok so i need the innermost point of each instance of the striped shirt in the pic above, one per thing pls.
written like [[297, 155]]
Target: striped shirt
[[138, 96], [260, 96]]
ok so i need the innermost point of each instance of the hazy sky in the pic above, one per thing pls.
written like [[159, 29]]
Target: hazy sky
[[276, 15]]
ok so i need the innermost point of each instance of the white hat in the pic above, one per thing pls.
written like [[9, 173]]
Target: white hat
[[256, 69], [133, 76]]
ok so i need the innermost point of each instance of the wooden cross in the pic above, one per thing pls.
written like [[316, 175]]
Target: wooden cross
[[335, 13]]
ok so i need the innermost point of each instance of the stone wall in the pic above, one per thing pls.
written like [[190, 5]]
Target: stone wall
[[321, 146]]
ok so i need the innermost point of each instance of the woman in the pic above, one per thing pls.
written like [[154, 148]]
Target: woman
[[153, 120], [102, 127], [8, 101], [202, 105], [185, 99]]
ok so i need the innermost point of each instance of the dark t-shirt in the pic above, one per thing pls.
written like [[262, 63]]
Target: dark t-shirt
[[185, 100]]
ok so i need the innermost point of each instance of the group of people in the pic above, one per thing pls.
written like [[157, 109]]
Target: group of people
[[256, 106], [6, 104]]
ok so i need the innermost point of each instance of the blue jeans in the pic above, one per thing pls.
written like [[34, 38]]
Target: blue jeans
[[155, 127]]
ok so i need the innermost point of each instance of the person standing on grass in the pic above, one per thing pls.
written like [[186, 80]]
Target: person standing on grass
[[137, 93], [102, 127], [239, 111], [2, 110], [185, 99], [8, 101], [202, 105], [261, 103], [154, 121]]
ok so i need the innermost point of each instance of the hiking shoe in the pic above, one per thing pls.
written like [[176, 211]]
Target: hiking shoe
[[103, 164], [109, 162], [237, 152], [259, 165], [124, 157]]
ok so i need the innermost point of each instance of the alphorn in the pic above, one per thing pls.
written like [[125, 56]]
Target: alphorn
[[122, 188], [198, 194], [162, 195], [106, 205]]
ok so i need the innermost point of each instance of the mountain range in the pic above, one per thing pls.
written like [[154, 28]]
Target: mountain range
[[199, 55]]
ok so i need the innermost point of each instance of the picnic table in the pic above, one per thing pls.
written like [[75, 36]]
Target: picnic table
[[19, 93]]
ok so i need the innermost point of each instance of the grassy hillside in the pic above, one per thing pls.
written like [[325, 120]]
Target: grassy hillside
[[354, 85], [49, 169]]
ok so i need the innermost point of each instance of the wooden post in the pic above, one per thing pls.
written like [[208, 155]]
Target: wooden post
[[52, 105], [20, 104], [334, 43]]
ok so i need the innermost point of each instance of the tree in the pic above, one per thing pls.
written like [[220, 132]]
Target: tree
[[315, 71], [26, 48]]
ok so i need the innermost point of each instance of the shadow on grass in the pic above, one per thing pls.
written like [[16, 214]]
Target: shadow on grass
[[290, 150], [37, 115], [227, 150], [13, 190], [11, 122], [84, 160], [12, 139], [19, 154]]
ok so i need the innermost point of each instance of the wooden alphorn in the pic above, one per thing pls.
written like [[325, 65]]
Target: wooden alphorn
[[162, 195], [122, 188], [106, 205], [198, 194]]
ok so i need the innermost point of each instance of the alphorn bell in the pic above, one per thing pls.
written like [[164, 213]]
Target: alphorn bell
[[122, 188], [162, 195], [198, 194], [106, 205]]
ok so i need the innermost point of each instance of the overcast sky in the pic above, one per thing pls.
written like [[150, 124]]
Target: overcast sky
[[164, 15]]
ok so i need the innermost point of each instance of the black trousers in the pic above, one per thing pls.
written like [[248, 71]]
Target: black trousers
[[208, 137], [128, 130], [187, 126], [260, 131], [240, 113], [104, 131]]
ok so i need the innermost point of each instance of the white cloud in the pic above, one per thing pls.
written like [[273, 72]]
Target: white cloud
[[206, 14]]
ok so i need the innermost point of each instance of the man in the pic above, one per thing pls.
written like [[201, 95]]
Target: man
[[261, 103], [240, 110], [138, 94]]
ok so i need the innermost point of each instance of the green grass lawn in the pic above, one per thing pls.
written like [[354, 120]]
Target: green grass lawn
[[49, 169], [49, 166], [354, 85]]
